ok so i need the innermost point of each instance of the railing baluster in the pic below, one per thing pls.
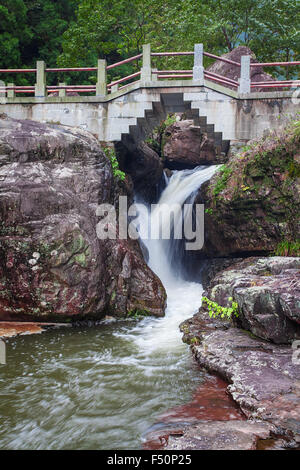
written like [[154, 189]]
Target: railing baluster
[[198, 69], [62, 91], [40, 86], [146, 69], [245, 80], [11, 93], [154, 76], [101, 87], [114, 88]]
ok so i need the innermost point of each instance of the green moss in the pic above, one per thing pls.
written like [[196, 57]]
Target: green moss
[[194, 341], [81, 260], [113, 295], [78, 244], [294, 169], [17, 230], [224, 173], [138, 313]]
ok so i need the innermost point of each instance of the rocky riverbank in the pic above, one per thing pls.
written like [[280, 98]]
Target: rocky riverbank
[[254, 353], [252, 203]]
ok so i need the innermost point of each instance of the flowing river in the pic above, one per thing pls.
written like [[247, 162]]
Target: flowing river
[[104, 387]]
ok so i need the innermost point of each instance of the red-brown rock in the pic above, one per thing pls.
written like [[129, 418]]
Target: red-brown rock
[[52, 264], [233, 71]]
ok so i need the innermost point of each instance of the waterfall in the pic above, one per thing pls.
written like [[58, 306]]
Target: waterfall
[[183, 297], [181, 188]]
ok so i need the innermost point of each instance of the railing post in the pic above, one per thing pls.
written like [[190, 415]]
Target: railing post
[[11, 93], [154, 76], [245, 77], [101, 87], [62, 91], [198, 69], [114, 88], [146, 69], [40, 86]]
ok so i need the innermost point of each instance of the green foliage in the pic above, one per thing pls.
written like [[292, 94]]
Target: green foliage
[[78, 32], [13, 32], [111, 155], [223, 175], [158, 137], [194, 341], [269, 27], [137, 314], [169, 121], [215, 310], [287, 248], [294, 169], [209, 211], [32, 30], [296, 129]]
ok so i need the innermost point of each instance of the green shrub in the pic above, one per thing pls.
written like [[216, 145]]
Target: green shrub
[[110, 154], [215, 310], [287, 248], [171, 119]]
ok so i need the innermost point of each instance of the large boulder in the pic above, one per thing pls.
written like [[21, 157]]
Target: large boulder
[[267, 291], [233, 71], [253, 202], [134, 288], [52, 264], [186, 146]]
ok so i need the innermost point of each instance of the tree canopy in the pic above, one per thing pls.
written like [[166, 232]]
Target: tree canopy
[[78, 32]]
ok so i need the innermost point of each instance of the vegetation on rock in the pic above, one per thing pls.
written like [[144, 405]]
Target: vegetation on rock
[[286, 248], [111, 155], [215, 310], [253, 201]]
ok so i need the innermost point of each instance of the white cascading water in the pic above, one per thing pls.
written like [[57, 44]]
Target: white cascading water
[[184, 297]]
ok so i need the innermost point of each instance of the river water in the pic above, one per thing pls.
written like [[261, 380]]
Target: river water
[[104, 387]]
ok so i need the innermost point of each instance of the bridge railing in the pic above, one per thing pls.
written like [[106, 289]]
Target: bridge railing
[[147, 74]]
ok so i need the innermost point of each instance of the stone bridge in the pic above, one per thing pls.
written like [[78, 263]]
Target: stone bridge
[[129, 113]]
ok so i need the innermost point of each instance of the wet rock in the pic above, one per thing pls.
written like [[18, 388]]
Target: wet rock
[[264, 379], [145, 167], [267, 291], [209, 268], [12, 329], [133, 288], [221, 435], [186, 146], [53, 267]]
